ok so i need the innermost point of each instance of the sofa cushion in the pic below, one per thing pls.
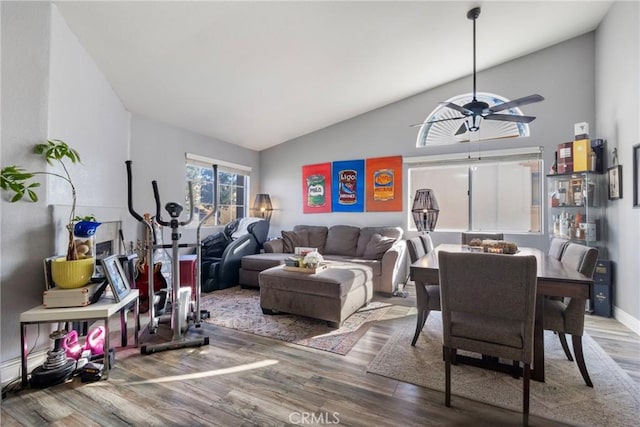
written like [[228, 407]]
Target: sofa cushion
[[293, 239], [342, 240], [374, 264], [377, 246], [366, 233], [317, 235], [263, 261]]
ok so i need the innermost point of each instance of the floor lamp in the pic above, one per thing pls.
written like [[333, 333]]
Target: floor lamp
[[263, 207]]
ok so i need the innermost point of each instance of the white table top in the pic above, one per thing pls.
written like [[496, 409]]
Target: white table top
[[104, 308]]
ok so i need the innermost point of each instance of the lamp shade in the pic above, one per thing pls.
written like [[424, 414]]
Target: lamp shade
[[425, 210], [263, 206]]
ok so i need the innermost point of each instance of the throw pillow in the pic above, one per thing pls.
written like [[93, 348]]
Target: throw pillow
[[377, 246], [294, 239]]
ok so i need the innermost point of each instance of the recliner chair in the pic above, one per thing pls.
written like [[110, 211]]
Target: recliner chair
[[247, 239]]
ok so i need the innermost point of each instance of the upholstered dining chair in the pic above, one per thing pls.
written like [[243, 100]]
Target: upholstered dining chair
[[468, 236], [427, 295], [556, 247], [488, 307], [566, 316]]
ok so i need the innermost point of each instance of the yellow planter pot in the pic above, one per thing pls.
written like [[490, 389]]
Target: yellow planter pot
[[71, 274]]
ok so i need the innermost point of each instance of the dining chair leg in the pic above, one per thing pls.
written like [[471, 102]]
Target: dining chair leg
[[516, 369], [576, 340], [422, 317], [565, 346], [526, 377], [447, 377]]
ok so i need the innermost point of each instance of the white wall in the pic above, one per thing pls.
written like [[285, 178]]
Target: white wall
[[85, 112], [618, 113], [51, 89], [26, 235]]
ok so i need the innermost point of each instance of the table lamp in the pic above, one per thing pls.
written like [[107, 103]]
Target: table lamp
[[425, 210]]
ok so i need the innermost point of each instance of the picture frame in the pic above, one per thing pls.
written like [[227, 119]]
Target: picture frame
[[48, 278], [615, 182], [636, 176], [118, 281]]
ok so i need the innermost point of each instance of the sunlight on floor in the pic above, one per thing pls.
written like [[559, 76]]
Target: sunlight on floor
[[216, 372]]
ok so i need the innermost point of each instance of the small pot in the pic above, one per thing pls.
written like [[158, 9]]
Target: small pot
[[71, 274]]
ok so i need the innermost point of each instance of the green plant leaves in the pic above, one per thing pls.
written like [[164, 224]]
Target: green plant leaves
[[14, 178], [56, 149]]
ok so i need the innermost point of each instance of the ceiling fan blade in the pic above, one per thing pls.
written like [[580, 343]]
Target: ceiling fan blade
[[456, 107], [510, 118], [436, 121], [462, 129], [516, 103]]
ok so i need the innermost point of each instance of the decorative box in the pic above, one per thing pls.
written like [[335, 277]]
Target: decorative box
[[77, 297], [565, 157]]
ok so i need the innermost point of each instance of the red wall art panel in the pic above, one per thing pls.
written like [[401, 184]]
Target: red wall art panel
[[316, 188]]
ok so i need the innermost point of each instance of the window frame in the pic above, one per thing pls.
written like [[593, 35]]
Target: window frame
[[468, 161], [222, 167]]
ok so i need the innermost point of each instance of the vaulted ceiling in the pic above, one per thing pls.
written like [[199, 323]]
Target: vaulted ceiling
[[257, 74]]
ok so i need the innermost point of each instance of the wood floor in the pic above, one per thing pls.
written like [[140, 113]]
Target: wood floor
[[242, 379]]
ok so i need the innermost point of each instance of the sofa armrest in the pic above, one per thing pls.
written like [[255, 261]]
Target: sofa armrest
[[394, 267], [274, 246]]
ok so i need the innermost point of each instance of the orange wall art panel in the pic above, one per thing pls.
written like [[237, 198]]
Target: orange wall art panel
[[384, 184]]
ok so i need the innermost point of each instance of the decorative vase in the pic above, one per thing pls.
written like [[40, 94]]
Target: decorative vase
[[72, 274]]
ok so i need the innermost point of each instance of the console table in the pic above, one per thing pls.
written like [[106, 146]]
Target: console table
[[101, 310]]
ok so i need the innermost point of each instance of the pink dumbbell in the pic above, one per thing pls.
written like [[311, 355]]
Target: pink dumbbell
[[95, 340], [71, 346]]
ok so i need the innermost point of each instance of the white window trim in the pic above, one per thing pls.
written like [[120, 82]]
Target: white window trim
[[485, 155], [454, 158]]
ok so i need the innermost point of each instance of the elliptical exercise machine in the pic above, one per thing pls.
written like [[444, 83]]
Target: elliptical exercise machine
[[185, 310]]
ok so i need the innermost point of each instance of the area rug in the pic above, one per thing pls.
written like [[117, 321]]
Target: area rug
[[614, 399], [239, 309]]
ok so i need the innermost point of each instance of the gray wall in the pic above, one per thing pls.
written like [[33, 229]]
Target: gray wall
[[617, 110], [563, 74], [158, 153]]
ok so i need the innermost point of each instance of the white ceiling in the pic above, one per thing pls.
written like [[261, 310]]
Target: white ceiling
[[257, 74]]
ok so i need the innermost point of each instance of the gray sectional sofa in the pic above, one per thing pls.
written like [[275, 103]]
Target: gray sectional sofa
[[381, 248]]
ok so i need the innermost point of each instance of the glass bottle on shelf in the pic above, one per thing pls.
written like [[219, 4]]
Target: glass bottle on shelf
[[575, 207]]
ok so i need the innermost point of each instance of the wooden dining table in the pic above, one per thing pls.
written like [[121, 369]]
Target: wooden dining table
[[554, 279]]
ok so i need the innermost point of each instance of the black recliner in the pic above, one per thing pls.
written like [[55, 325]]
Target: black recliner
[[242, 237]]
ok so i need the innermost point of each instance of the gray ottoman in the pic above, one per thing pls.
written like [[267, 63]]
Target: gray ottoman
[[332, 294]]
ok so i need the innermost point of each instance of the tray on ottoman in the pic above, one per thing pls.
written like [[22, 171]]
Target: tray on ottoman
[[307, 270]]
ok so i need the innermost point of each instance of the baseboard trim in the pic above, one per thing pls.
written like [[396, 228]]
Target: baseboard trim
[[626, 319], [11, 370]]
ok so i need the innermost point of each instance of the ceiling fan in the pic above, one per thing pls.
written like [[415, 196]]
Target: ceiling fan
[[473, 111]]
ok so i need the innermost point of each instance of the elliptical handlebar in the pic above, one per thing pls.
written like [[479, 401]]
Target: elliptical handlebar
[[190, 184], [156, 196], [132, 211], [173, 208]]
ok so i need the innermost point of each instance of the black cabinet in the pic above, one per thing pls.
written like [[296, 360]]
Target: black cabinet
[[603, 289]]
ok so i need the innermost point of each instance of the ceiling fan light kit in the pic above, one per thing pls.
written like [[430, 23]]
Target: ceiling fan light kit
[[474, 112]]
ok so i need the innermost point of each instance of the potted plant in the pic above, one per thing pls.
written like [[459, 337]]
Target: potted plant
[[20, 182]]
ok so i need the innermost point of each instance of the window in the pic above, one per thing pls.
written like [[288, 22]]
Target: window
[[497, 191], [232, 182]]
